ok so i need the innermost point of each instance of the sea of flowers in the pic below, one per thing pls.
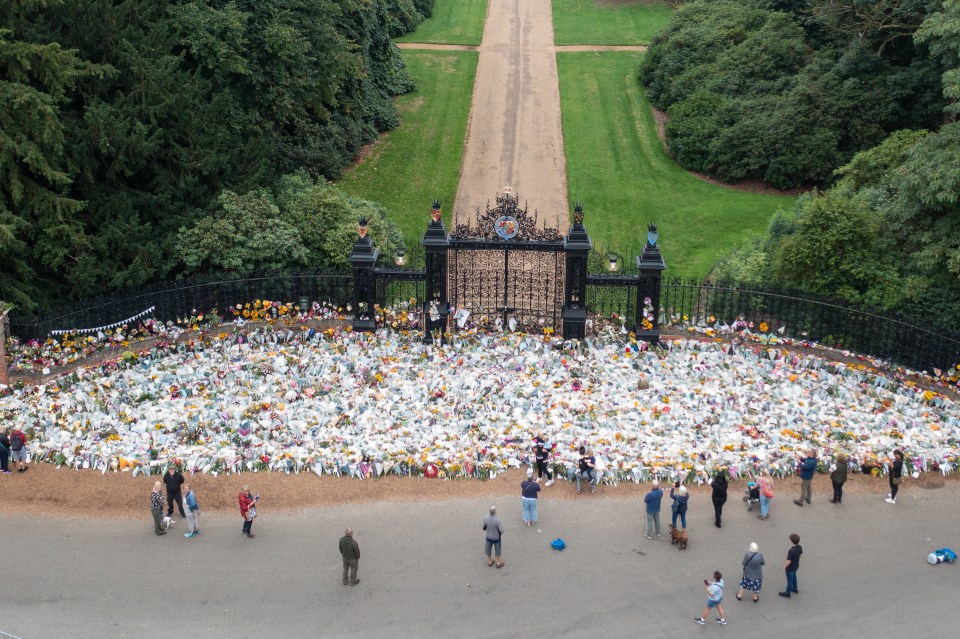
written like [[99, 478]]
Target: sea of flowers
[[294, 399]]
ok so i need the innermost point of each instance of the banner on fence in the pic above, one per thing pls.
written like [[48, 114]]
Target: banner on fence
[[105, 326]]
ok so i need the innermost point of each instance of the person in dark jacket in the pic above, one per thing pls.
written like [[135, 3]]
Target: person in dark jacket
[[808, 467], [896, 476], [719, 496], [173, 480], [350, 552], [528, 498], [4, 453], [838, 477], [652, 501], [680, 499], [791, 566]]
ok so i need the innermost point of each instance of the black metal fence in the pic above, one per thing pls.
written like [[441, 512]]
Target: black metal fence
[[172, 300], [837, 323], [610, 298]]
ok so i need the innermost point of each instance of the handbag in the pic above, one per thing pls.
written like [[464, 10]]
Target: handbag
[[898, 480], [676, 506], [251, 513]]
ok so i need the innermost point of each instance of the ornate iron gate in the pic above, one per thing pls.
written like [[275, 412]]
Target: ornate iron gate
[[504, 271]]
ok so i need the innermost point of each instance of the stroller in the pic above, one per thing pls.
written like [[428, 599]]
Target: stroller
[[751, 495]]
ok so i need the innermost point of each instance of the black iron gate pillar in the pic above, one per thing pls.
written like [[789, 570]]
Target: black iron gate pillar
[[436, 245], [576, 247], [363, 259], [650, 265]]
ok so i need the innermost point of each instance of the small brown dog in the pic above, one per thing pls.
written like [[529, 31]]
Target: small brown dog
[[679, 537]]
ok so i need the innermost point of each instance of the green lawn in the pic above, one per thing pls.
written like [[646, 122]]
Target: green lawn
[[608, 21], [453, 22], [420, 160], [618, 168]]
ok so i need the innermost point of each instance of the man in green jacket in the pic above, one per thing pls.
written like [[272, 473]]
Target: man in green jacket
[[350, 551]]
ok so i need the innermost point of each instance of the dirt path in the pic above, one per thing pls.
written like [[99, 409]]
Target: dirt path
[[569, 48], [514, 135]]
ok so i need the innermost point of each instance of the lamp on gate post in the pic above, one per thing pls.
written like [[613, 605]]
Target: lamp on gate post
[[401, 257], [613, 262], [362, 258], [651, 266], [576, 246], [436, 243]]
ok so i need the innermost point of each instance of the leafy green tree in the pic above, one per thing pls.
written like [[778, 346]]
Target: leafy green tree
[[244, 233], [941, 33], [37, 215]]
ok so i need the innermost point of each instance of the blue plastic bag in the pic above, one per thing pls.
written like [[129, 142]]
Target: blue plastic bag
[[558, 544]]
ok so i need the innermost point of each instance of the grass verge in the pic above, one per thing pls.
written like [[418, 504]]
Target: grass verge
[[608, 21], [619, 169], [420, 160], [452, 22]]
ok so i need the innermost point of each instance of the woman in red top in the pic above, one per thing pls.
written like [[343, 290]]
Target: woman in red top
[[248, 510]]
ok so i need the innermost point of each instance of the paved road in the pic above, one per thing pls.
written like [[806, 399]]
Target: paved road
[[422, 574], [514, 135]]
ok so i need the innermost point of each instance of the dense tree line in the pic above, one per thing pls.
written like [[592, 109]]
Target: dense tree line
[[127, 125], [887, 230], [788, 90]]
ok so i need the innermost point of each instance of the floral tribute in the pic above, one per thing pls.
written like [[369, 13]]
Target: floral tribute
[[283, 396]]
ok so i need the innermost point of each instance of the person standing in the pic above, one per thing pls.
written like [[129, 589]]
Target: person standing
[[193, 513], [4, 452], [766, 494], [494, 533], [896, 476], [792, 564], [714, 599], [173, 481], [752, 579], [528, 498], [156, 508], [719, 496], [18, 449], [652, 499], [248, 510], [808, 466], [350, 552], [541, 451], [680, 498], [586, 464], [838, 477]]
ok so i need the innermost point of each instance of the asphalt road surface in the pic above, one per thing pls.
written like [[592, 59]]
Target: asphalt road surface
[[422, 573]]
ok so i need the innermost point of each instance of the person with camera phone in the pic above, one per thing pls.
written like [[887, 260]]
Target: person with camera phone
[[248, 510]]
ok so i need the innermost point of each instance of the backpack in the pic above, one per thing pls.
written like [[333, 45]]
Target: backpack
[[16, 441]]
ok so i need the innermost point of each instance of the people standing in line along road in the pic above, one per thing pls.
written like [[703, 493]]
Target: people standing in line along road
[[156, 508], [528, 498], [248, 510], [896, 476], [808, 466], [766, 494], [193, 513], [541, 452], [18, 449], [586, 469], [719, 496], [838, 477], [494, 534], [714, 599], [652, 500], [752, 579], [174, 480], [350, 553], [791, 566], [680, 498], [4, 452]]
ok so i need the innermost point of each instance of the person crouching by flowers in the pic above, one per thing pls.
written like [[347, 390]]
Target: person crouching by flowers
[[156, 508], [248, 510]]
